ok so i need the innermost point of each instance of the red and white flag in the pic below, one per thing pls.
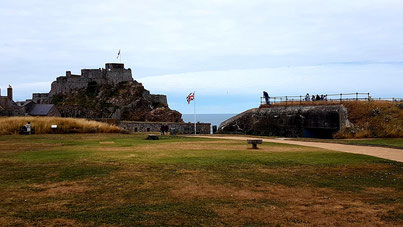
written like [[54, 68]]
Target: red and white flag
[[190, 97]]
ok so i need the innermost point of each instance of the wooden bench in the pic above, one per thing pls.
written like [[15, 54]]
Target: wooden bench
[[152, 137], [254, 143]]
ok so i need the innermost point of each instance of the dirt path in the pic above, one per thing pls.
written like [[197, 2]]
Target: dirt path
[[381, 152]]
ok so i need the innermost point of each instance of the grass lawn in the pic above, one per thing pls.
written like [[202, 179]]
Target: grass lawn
[[382, 142], [116, 179]]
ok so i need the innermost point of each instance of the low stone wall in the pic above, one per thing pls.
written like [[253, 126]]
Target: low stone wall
[[180, 128]]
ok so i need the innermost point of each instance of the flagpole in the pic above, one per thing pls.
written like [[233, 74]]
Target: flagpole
[[194, 110]]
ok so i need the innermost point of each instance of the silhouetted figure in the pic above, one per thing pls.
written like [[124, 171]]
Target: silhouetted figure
[[266, 97], [313, 98], [307, 97], [162, 129], [317, 97], [166, 129]]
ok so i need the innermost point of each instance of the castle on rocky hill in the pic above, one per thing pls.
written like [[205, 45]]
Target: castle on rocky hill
[[112, 74], [105, 93]]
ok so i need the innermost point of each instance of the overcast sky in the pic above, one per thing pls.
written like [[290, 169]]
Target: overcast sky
[[228, 51]]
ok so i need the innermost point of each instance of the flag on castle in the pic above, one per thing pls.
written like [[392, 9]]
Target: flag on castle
[[118, 54], [190, 97]]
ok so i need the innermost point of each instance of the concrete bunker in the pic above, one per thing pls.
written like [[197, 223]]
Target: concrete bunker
[[288, 121]]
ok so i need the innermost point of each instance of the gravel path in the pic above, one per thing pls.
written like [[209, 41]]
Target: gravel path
[[381, 152]]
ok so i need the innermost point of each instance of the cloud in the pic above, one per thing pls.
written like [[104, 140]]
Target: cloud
[[215, 47], [284, 80], [24, 91]]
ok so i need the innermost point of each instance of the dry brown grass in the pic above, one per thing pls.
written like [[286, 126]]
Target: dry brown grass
[[262, 202], [59, 188], [42, 125], [373, 119], [191, 146]]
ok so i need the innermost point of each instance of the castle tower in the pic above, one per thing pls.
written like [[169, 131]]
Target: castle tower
[[10, 92]]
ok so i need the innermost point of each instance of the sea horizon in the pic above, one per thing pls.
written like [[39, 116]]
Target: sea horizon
[[213, 119]]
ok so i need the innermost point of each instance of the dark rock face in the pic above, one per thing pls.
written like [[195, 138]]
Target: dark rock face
[[163, 114], [288, 121], [126, 101]]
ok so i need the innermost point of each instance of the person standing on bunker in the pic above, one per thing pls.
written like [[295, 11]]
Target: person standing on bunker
[[307, 97], [266, 97]]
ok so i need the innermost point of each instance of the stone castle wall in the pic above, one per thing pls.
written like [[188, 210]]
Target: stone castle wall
[[180, 128], [112, 74], [41, 98], [160, 99]]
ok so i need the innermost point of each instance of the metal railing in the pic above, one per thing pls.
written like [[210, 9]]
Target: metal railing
[[325, 98]]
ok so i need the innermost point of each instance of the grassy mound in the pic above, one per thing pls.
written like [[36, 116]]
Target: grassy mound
[[42, 125], [373, 119]]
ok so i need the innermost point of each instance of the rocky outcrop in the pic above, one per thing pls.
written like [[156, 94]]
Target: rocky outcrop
[[288, 121], [126, 101], [163, 114]]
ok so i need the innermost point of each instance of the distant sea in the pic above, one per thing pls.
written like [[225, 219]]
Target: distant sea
[[214, 119]]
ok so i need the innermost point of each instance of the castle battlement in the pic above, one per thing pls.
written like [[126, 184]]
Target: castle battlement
[[112, 74]]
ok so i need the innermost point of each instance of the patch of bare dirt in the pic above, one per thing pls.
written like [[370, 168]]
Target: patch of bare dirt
[[60, 188], [215, 191], [61, 222], [7, 221], [6, 146], [107, 142]]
